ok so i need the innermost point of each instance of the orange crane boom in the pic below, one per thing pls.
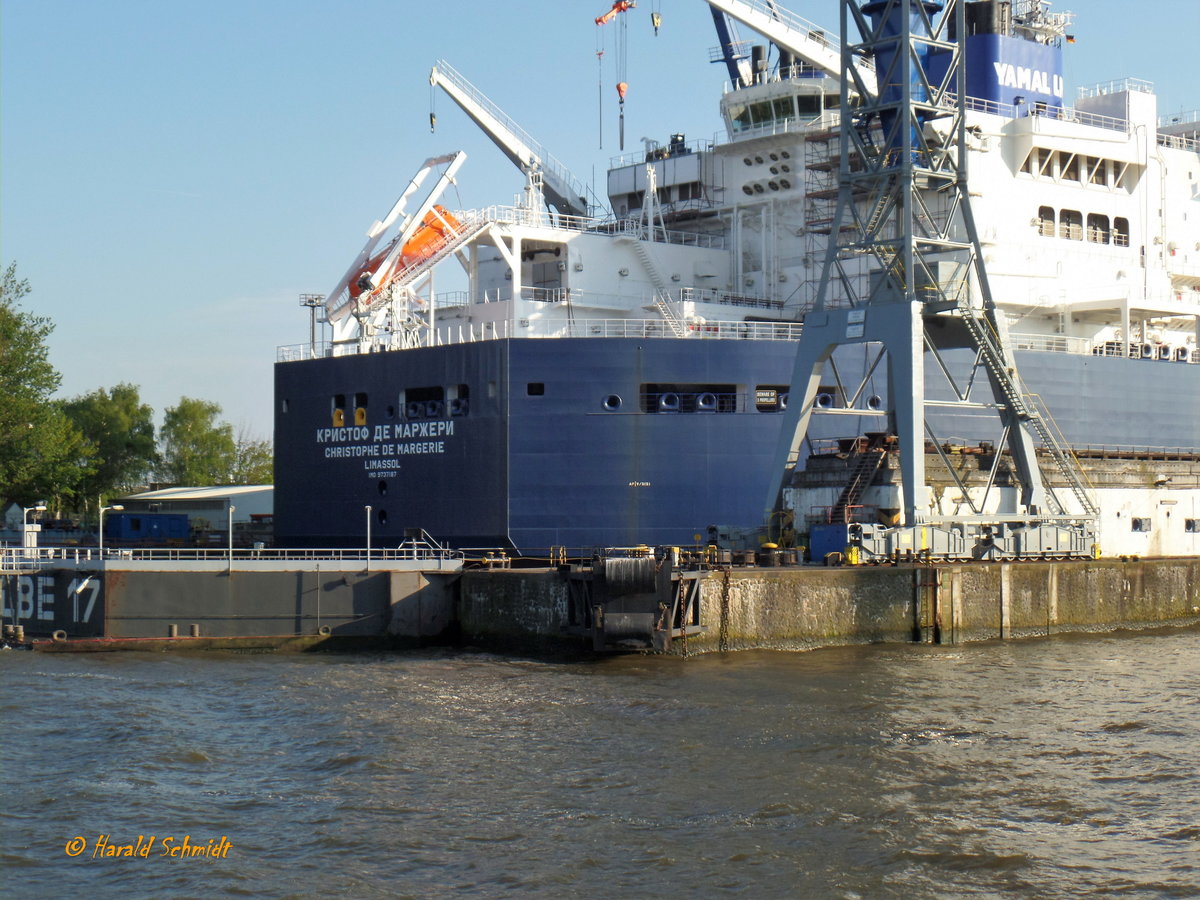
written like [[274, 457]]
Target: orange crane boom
[[619, 6]]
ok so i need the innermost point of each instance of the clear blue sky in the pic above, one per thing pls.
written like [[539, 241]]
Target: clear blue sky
[[175, 174]]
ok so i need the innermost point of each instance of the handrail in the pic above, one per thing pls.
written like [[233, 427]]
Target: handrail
[[17, 558]]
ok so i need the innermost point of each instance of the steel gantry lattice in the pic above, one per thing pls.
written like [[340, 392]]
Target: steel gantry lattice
[[903, 272]]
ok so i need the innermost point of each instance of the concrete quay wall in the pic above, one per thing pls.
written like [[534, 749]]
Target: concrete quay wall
[[123, 604], [794, 609], [546, 611]]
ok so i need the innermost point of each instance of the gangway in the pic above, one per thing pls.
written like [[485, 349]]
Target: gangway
[[562, 190], [785, 29]]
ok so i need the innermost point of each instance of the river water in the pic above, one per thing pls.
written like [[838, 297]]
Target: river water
[[1067, 767]]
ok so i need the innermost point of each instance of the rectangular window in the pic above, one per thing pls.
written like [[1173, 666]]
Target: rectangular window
[[460, 400], [1191, 526], [1120, 232], [535, 388], [1046, 221], [1070, 225], [1142, 525], [423, 403], [761, 113], [1097, 228]]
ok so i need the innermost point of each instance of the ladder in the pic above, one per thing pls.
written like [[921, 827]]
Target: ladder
[[652, 272], [664, 309], [862, 474], [988, 344]]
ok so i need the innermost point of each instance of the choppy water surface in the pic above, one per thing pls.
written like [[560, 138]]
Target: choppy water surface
[[1059, 768]]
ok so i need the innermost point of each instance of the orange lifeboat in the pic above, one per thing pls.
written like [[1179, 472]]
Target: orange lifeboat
[[425, 242]]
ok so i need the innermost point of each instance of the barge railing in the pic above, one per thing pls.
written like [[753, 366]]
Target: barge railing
[[22, 559]]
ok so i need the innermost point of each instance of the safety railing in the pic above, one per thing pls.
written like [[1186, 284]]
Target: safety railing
[[15, 559]]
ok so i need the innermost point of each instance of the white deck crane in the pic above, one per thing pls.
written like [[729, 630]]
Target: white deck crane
[[561, 189], [785, 29]]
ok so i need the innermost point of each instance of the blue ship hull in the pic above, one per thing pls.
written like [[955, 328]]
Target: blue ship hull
[[557, 442]]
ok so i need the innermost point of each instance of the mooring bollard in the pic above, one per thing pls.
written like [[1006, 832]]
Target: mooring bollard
[[173, 631], [195, 630]]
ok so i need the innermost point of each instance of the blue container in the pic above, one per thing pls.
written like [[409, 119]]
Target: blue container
[[151, 528]]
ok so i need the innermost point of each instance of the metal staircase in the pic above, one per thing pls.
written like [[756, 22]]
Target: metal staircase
[[1003, 374], [677, 325], [862, 473], [652, 272]]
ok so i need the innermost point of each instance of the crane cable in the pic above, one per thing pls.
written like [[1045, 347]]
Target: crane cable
[[620, 53]]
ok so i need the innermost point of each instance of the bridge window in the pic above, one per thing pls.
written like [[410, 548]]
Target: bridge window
[[1070, 169]]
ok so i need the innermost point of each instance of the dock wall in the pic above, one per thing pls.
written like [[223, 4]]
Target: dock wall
[[795, 609], [144, 603], [555, 611]]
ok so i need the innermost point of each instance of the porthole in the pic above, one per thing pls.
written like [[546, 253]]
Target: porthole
[[745, 189], [758, 159], [773, 185], [786, 167], [784, 183], [785, 154], [382, 516], [775, 156], [283, 405], [391, 411], [758, 188], [748, 161], [612, 402], [774, 170], [874, 402], [824, 401], [382, 487]]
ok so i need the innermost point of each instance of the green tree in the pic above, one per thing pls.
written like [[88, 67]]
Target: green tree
[[120, 428], [42, 454], [196, 449], [255, 462]]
